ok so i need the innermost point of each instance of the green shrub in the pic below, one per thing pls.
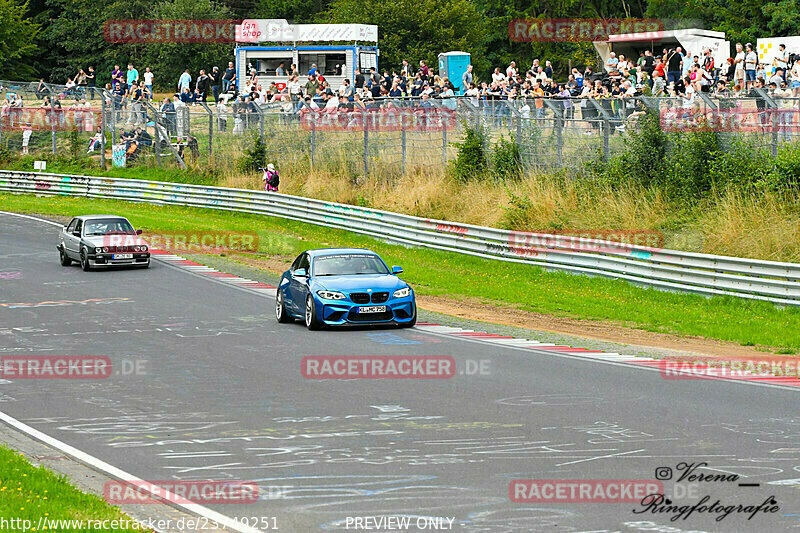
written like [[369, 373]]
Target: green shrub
[[786, 172], [741, 165], [255, 156], [471, 161], [506, 160]]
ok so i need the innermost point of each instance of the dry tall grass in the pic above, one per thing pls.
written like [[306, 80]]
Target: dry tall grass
[[759, 225]]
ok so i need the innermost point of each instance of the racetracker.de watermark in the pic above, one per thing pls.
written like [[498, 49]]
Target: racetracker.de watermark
[[586, 241], [582, 490], [545, 30], [734, 369], [170, 31], [55, 367], [181, 492], [732, 120], [377, 367], [208, 242]]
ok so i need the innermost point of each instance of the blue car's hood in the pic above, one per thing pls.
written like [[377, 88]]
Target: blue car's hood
[[362, 282]]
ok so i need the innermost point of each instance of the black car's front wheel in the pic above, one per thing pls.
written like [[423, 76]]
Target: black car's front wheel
[[85, 261], [65, 260], [312, 322], [280, 308]]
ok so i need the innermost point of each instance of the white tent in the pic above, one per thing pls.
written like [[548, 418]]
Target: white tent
[[693, 40]]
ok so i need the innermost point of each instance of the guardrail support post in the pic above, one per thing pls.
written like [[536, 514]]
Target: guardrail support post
[[313, 140], [103, 127], [402, 146], [444, 142], [606, 136], [366, 147]]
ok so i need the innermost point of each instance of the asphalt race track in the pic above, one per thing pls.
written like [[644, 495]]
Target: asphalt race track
[[207, 385]]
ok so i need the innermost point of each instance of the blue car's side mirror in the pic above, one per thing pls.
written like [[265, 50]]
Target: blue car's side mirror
[[397, 270], [300, 273]]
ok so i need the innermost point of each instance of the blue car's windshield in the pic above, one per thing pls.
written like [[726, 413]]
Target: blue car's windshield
[[348, 265]]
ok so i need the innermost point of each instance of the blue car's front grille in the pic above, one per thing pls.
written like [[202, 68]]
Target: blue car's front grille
[[370, 317], [379, 297], [360, 297]]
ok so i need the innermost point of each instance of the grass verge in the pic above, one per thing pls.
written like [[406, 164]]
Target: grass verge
[[30, 493], [459, 276]]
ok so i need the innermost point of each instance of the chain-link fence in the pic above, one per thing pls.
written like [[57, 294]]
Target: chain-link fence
[[372, 136]]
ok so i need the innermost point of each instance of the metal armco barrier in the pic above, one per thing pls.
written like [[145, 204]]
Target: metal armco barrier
[[665, 269]]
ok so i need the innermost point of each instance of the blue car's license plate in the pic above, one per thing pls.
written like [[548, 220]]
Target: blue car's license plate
[[372, 309]]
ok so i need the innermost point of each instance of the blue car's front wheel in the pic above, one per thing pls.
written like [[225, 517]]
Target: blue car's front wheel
[[280, 309], [312, 322]]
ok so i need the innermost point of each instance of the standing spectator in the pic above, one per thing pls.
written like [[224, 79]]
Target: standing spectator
[[313, 70], [216, 83], [136, 95], [203, 85], [674, 63], [132, 76], [423, 67], [511, 70], [548, 69], [91, 82], [738, 63], [229, 78], [359, 82], [281, 70], [117, 77], [405, 70], [782, 60], [168, 115], [252, 82], [795, 77], [750, 65], [708, 62], [498, 76], [467, 78], [148, 82], [184, 82], [648, 63]]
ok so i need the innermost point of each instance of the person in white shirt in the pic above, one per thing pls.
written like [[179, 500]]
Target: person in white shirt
[[738, 63], [511, 71], [474, 94], [332, 105], [795, 76], [497, 75], [622, 63], [148, 82]]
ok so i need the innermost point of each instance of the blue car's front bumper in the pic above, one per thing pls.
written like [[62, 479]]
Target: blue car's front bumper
[[340, 312]]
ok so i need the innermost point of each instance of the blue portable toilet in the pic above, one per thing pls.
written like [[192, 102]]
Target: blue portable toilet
[[454, 65]]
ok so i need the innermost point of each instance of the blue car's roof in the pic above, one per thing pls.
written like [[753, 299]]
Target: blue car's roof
[[336, 251]]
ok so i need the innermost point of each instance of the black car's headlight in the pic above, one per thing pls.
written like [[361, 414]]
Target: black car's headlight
[[331, 295], [105, 249], [402, 293], [98, 250]]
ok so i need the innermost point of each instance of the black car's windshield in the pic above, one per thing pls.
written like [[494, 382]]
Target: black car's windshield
[[349, 265], [108, 226]]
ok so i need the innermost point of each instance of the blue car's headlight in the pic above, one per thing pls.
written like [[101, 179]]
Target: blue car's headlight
[[331, 295], [402, 293]]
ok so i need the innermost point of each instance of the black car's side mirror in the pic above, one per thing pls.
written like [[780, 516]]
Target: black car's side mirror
[[138, 232], [76, 233]]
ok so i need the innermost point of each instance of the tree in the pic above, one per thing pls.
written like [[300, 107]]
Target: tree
[[417, 29], [17, 40]]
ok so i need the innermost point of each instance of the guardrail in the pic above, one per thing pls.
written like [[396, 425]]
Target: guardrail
[[664, 269]]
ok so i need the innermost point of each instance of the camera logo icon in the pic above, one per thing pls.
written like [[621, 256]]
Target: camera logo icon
[[663, 473]]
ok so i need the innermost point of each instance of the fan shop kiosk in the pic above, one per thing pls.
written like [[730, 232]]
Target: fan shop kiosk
[[336, 62]]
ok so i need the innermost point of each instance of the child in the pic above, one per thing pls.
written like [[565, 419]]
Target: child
[[271, 178]]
